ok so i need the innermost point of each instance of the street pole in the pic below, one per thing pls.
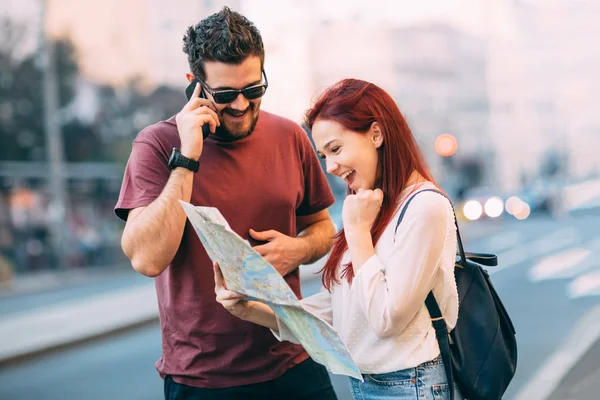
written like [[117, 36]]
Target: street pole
[[54, 141]]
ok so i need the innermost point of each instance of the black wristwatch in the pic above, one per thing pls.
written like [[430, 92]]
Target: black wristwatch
[[179, 160]]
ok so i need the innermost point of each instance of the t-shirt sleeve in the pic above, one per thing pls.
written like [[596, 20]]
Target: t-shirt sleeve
[[146, 174], [317, 193]]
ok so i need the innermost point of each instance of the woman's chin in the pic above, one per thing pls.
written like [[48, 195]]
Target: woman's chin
[[356, 186]]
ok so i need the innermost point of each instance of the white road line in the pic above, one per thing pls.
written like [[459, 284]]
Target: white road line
[[503, 241], [594, 244], [569, 263], [585, 285], [558, 265], [548, 377], [582, 195], [553, 241]]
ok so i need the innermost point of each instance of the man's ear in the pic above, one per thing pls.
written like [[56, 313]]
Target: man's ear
[[376, 134], [190, 77]]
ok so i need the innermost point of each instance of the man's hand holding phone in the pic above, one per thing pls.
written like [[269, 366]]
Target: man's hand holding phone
[[196, 113]]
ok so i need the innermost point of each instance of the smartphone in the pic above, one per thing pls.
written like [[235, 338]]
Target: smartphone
[[188, 92]]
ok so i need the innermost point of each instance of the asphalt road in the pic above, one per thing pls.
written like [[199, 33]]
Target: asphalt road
[[538, 281]]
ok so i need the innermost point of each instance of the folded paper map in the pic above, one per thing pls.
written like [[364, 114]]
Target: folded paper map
[[245, 271]]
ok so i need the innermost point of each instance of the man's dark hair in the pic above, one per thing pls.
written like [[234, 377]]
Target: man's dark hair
[[226, 37]]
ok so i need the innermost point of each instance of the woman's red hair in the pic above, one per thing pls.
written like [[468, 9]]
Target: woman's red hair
[[355, 105]]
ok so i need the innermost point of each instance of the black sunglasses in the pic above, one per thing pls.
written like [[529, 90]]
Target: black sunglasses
[[229, 95]]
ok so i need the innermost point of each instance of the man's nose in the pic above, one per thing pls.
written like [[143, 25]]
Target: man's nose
[[240, 103]]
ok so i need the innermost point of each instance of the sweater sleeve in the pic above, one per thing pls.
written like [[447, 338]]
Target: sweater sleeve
[[392, 291]]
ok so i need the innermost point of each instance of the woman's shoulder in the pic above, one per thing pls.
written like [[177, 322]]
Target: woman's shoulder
[[427, 204]]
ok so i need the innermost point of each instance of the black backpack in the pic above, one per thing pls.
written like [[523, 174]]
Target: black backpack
[[482, 357]]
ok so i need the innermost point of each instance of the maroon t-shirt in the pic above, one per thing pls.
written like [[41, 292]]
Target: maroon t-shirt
[[261, 182]]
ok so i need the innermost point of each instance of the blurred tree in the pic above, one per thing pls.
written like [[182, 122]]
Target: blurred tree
[[21, 97], [126, 111], [82, 143], [122, 112]]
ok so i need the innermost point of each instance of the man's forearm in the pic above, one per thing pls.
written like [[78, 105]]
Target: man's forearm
[[318, 238], [151, 240]]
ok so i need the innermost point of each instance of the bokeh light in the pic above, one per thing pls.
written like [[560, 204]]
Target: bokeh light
[[494, 207], [472, 210]]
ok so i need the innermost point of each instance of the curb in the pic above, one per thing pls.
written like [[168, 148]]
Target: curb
[[58, 326], [61, 326], [24, 357]]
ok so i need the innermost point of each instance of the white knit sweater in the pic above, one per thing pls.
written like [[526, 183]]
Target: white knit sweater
[[382, 316]]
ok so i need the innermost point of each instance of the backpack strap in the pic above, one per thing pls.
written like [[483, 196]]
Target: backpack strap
[[441, 332], [489, 260], [461, 250], [437, 320]]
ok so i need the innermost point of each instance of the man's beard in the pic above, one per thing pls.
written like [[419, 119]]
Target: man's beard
[[225, 135]]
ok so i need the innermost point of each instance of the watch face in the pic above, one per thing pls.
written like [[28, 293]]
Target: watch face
[[173, 158], [177, 160]]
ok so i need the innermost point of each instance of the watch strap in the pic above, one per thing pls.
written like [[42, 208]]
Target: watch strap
[[179, 160]]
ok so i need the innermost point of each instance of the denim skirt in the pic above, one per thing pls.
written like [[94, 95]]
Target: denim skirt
[[425, 382]]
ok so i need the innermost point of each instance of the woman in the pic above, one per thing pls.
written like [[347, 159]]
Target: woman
[[376, 280]]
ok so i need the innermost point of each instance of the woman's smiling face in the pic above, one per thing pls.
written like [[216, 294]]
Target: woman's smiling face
[[350, 155]]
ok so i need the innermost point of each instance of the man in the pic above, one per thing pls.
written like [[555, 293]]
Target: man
[[261, 172]]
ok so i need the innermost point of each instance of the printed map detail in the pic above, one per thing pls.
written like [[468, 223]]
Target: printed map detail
[[245, 271]]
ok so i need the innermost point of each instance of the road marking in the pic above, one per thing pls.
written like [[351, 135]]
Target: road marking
[[569, 263], [585, 285], [549, 376], [553, 241], [582, 195], [594, 244], [558, 265], [503, 241]]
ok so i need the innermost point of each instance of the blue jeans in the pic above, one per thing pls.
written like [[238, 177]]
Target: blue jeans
[[425, 382], [306, 381]]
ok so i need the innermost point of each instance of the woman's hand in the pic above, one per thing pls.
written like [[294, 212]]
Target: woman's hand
[[232, 301], [252, 311], [361, 209]]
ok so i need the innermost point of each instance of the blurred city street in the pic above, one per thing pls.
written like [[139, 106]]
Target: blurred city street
[[548, 295]]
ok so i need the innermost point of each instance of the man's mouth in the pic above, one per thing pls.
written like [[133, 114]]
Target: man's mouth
[[236, 113]]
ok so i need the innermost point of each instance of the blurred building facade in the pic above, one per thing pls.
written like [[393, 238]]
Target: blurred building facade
[[117, 40], [543, 84], [516, 91], [444, 90]]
